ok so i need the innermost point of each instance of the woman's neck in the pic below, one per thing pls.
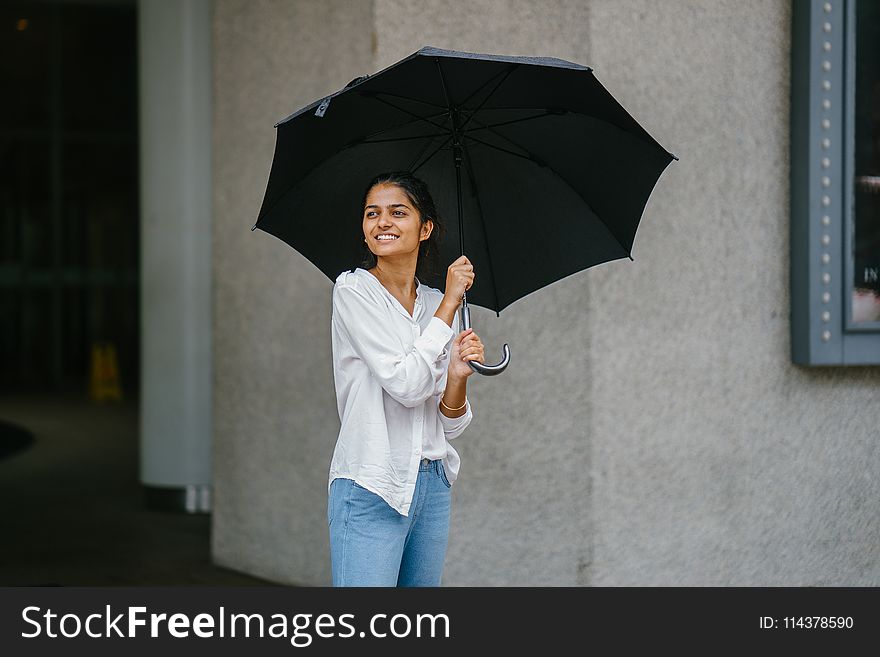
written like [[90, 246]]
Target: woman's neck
[[396, 276]]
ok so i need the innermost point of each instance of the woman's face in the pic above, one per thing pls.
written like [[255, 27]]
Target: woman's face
[[388, 211]]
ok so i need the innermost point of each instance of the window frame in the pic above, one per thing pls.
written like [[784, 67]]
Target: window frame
[[822, 193]]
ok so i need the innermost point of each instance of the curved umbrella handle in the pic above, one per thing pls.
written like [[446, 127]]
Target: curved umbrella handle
[[491, 370], [480, 368]]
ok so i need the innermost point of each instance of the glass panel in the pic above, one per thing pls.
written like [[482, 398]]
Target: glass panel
[[866, 283], [68, 189], [100, 205], [25, 33], [99, 68]]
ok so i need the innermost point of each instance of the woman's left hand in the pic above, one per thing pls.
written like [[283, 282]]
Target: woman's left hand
[[466, 347]]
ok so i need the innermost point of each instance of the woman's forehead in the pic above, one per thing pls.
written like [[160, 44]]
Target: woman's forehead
[[386, 194]]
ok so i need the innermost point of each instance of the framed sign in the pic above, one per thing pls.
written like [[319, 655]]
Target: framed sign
[[835, 182]]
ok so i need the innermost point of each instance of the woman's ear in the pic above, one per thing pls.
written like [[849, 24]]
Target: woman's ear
[[427, 228]]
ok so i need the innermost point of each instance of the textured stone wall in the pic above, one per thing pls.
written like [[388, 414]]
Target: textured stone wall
[[651, 429]]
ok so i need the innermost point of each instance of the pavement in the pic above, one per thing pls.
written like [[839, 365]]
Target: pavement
[[71, 504]]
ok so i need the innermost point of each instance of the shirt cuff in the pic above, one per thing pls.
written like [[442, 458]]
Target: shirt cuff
[[451, 424], [436, 335]]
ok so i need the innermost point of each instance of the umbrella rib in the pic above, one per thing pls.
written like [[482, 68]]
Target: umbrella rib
[[473, 180], [532, 157], [534, 109], [379, 141], [481, 87], [528, 156], [425, 161], [394, 127], [415, 100], [510, 70], [502, 74], [412, 114], [641, 136], [526, 118]]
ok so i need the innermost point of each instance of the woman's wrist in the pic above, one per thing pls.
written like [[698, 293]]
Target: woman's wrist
[[460, 407], [454, 382], [446, 310], [454, 397]]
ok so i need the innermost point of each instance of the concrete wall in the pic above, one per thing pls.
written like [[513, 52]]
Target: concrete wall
[[651, 429], [274, 407], [716, 461]]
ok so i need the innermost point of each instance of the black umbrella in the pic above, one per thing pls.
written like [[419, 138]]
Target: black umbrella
[[556, 172]]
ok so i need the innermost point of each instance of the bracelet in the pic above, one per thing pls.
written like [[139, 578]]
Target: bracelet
[[453, 409]]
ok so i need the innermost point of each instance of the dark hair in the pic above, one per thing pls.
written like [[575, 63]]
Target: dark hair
[[428, 263]]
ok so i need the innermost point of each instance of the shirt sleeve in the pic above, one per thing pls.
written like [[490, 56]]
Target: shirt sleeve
[[453, 427], [408, 377]]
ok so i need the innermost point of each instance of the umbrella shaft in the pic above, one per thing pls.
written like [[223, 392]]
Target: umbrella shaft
[[464, 314], [456, 154]]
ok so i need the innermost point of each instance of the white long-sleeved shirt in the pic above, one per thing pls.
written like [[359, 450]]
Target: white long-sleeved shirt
[[389, 369]]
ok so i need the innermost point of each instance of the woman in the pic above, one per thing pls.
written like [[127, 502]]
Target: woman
[[400, 371]]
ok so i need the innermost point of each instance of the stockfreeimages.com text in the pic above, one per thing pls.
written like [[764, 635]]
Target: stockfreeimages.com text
[[299, 628]]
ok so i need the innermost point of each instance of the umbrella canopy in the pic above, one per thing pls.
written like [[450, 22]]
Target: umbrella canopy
[[555, 173]]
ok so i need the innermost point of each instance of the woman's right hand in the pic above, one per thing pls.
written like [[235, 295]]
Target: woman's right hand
[[459, 278]]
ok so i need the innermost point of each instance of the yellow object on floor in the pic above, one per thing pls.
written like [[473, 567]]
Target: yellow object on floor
[[105, 383]]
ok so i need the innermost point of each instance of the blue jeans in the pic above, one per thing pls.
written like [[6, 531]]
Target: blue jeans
[[371, 544]]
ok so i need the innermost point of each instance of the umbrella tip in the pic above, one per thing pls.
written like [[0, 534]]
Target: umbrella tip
[[674, 156], [254, 226], [630, 256]]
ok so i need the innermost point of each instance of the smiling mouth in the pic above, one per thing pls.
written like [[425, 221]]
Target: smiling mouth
[[386, 239]]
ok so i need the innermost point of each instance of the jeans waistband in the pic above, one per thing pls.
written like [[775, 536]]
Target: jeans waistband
[[427, 464]]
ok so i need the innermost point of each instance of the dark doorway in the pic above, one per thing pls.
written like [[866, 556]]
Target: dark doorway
[[69, 225]]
